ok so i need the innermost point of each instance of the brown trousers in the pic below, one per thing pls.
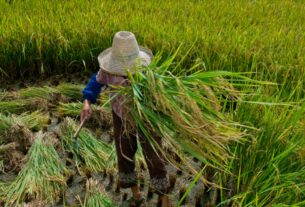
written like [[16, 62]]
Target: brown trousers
[[126, 147]]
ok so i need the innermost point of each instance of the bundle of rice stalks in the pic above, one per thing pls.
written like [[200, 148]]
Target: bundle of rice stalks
[[42, 177], [183, 110], [93, 153], [5, 123], [14, 107], [36, 92], [23, 105], [51, 95], [71, 91], [34, 121], [100, 115], [96, 195], [4, 96]]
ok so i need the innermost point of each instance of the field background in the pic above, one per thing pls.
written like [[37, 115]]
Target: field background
[[39, 39]]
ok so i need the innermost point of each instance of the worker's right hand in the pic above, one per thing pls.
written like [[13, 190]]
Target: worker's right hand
[[86, 111]]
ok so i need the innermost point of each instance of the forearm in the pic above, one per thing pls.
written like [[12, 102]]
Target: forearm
[[92, 90]]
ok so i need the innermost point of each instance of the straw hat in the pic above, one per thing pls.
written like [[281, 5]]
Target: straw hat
[[125, 54]]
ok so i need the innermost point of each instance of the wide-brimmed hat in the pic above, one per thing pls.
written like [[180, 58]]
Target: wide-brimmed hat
[[125, 54]]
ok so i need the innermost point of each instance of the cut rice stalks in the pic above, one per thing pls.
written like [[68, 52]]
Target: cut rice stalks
[[96, 195], [42, 178], [61, 93], [36, 92], [100, 115], [34, 121], [23, 105], [87, 149], [72, 91], [184, 111]]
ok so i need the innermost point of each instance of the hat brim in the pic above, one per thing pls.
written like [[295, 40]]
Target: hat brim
[[117, 68]]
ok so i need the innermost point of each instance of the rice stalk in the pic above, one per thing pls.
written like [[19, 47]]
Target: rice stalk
[[6, 95], [87, 150], [100, 115], [184, 110], [36, 92], [41, 178], [13, 107], [5, 123], [65, 90], [96, 195], [19, 106], [34, 121], [71, 91]]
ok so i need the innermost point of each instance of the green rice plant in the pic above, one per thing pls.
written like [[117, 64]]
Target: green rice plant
[[96, 195], [183, 110], [45, 47], [267, 170], [42, 178], [71, 91], [87, 149]]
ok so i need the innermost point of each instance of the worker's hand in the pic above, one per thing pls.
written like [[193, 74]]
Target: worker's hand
[[86, 111]]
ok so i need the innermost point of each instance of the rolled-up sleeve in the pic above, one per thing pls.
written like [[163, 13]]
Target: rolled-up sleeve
[[92, 89]]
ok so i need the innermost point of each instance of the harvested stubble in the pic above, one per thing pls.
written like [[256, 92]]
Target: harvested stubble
[[42, 178], [87, 149], [96, 195]]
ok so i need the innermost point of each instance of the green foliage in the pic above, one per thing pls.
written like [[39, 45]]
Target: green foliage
[[184, 110], [43, 37]]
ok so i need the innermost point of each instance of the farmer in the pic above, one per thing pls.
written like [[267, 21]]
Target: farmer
[[125, 54]]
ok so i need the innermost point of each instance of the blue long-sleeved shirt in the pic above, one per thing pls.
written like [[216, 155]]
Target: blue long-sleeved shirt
[[92, 89]]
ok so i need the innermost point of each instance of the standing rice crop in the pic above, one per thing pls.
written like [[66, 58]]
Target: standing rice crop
[[42, 177], [87, 149]]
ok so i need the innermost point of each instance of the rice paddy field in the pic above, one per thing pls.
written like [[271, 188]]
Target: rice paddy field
[[246, 59]]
